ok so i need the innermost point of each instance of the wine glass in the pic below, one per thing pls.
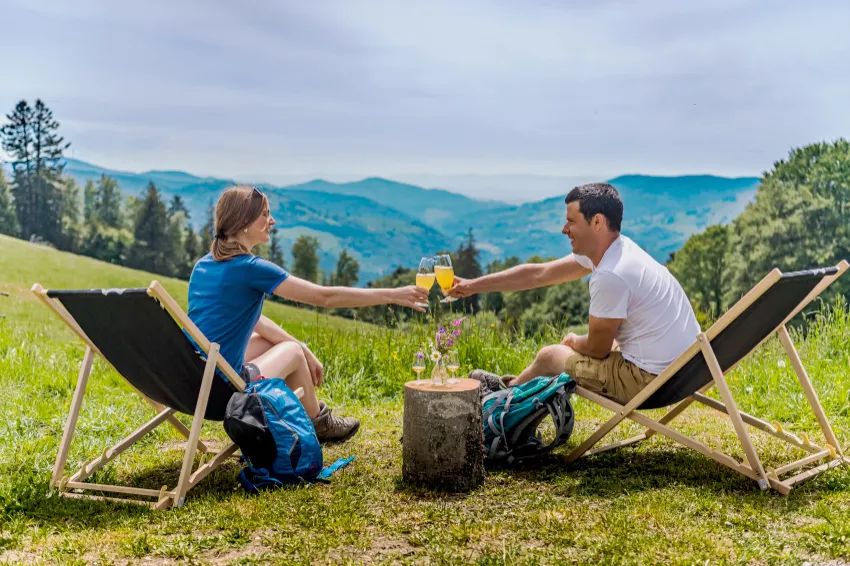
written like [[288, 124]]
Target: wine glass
[[418, 366], [425, 276], [453, 364], [445, 274]]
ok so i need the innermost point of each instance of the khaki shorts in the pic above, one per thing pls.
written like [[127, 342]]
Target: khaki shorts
[[611, 376]]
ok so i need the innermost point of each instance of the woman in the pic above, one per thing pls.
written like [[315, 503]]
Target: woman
[[226, 294]]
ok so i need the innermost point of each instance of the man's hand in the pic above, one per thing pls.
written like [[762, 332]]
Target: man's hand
[[569, 340], [317, 370], [462, 288], [409, 297]]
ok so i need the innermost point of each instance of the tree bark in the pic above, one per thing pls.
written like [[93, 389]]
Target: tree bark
[[443, 443]]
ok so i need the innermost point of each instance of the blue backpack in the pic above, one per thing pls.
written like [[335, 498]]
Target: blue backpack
[[276, 436], [512, 416]]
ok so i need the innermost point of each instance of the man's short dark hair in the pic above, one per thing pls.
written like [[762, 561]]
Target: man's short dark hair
[[598, 198]]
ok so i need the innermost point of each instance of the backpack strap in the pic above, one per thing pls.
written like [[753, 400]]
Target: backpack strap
[[325, 475], [557, 406], [503, 397]]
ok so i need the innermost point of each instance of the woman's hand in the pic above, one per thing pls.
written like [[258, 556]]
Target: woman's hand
[[317, 370], [409, 296]]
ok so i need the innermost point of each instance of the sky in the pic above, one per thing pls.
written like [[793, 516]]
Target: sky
[[507, 99]]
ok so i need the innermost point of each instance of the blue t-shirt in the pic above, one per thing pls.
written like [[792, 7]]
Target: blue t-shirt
[[226, 300]]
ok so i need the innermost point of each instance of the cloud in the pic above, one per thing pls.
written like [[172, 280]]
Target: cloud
[[399, 88]]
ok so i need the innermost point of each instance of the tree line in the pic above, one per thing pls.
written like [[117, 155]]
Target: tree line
[[799, 219], [523, 311], [41, 204]]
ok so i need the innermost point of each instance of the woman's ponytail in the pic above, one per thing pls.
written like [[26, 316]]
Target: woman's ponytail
[[237, 208]]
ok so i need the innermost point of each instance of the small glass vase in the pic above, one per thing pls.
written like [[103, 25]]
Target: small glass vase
[[439, 374]]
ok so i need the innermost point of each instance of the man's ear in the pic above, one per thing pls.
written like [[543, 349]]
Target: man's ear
[[599, 221]]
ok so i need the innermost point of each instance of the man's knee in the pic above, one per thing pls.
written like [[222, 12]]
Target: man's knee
[[553, 356], [546, 355]]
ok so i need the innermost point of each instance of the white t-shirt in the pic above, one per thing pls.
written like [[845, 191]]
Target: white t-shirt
[[658, 320]]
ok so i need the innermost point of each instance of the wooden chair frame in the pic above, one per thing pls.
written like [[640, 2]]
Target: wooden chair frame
[[752, 466], [163, 498]]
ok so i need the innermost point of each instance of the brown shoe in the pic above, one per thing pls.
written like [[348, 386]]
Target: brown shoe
[[490, 382], [334, 429]]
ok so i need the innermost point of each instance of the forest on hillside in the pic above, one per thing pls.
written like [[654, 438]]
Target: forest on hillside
[[798, 220]]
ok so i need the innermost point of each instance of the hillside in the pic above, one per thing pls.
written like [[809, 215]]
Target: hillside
[[23, 263], [384, 224]]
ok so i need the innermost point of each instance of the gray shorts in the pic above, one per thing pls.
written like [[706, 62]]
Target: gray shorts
[[249, 373]]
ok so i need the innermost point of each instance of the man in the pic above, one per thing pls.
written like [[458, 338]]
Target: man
[[640, 318]]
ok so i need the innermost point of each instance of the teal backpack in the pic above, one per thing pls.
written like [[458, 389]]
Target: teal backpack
[[512, 416]]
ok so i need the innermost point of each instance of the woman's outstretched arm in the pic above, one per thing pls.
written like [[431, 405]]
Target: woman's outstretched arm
[[296, 289]]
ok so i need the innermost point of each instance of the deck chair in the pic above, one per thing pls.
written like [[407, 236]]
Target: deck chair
[[140, 333], [761, 313]]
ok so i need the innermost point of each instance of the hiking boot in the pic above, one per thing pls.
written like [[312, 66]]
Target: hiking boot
[[490, 382], [333, 429]]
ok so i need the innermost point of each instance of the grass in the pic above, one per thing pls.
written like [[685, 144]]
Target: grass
[[656, 503]]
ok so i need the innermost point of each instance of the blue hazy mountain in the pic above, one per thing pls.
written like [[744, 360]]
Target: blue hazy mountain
[[660, 213], [384, 224]]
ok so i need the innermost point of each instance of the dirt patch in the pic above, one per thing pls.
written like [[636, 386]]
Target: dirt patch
[[254, 550], [18, 557], [383, 546]]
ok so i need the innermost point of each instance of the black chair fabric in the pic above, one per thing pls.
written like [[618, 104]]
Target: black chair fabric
[[735, 341], [146, 345]]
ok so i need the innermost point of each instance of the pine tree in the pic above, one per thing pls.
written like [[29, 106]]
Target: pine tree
[[193, 250], [305, 258], [31, 139], [347, 270], [8, 217], [208, 229], [108, 202], [89, 202], [58, 209], [16, 139], [151, 243], [466, 265], [68, 234], [275, 251], [177, 205], [177, 257]]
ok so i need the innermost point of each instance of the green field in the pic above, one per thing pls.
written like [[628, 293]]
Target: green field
[[656, 503]]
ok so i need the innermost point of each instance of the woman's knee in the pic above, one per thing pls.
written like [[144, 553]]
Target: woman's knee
[[294, 350], [282, 359]]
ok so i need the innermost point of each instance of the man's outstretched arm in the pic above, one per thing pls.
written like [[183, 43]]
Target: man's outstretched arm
[[522, 277]]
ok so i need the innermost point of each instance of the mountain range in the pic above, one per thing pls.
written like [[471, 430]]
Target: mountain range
[[384, 223]]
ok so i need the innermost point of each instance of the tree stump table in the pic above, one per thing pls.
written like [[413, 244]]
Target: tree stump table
[[443, 442]]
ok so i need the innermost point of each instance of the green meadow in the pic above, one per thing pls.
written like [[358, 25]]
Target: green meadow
[[656, 502]]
